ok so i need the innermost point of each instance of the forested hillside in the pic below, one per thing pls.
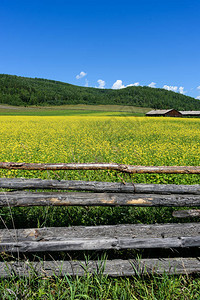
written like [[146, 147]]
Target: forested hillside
[[15, 90]]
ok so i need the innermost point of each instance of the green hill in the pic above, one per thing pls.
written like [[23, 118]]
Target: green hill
[[23, 91]]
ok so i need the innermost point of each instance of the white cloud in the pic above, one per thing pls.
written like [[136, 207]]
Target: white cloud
[[133, 84], [86, 82], [181, 90], [101, 83], [198, 88], [81, 75], [198, 97], [170, 88], [118, 85], [152, 84]]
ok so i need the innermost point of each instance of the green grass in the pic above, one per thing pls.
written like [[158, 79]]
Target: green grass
[[102, 287], [73, 110], [67, 113]]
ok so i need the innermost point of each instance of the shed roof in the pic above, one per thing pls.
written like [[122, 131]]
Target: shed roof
[[159, 111], [190, 112]]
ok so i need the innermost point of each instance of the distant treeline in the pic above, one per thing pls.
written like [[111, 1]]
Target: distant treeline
[[15, 90]]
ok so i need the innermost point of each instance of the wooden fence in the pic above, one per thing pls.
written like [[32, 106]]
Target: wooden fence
[[116, 237]]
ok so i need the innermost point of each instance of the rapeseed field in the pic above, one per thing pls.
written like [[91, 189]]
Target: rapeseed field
[[126, 140]]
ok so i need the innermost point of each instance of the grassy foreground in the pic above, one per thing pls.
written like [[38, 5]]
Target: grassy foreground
[[102, 288], [73, 110], [128, 140]]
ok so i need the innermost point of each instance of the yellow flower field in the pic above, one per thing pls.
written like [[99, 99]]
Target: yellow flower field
[[127, 140]]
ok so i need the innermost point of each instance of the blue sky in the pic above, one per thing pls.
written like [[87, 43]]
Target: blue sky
[[110, 44]]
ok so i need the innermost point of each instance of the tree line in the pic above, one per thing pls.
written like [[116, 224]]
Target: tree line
[[23, 91]]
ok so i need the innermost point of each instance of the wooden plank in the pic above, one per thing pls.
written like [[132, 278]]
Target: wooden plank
[[186, 213], [104, 231], [100, 237], [14, 199], [96, 186], [100, 244], [110, 267], [102, 166]]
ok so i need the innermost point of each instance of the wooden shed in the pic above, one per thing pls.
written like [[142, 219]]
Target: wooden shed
[[164, 113], [190, 113]]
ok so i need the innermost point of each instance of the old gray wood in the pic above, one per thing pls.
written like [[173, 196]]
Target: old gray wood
[[14, 199], [100, 237], [103, 231], [100, 244], [96, 186], [186, 213], [102, 166], [110, 267]]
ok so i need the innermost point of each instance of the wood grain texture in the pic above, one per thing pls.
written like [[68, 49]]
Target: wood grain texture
[[186, 213], [100, 238], [96, 186], [100, 244], [14, 199], [103, 231], [110, 267], [102, 166]]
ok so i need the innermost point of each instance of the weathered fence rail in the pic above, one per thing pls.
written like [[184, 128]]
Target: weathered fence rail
[[102, 166], [97, 186], [113, 268], [101, 237], [186, 213], [114, 237], [14, 199]]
